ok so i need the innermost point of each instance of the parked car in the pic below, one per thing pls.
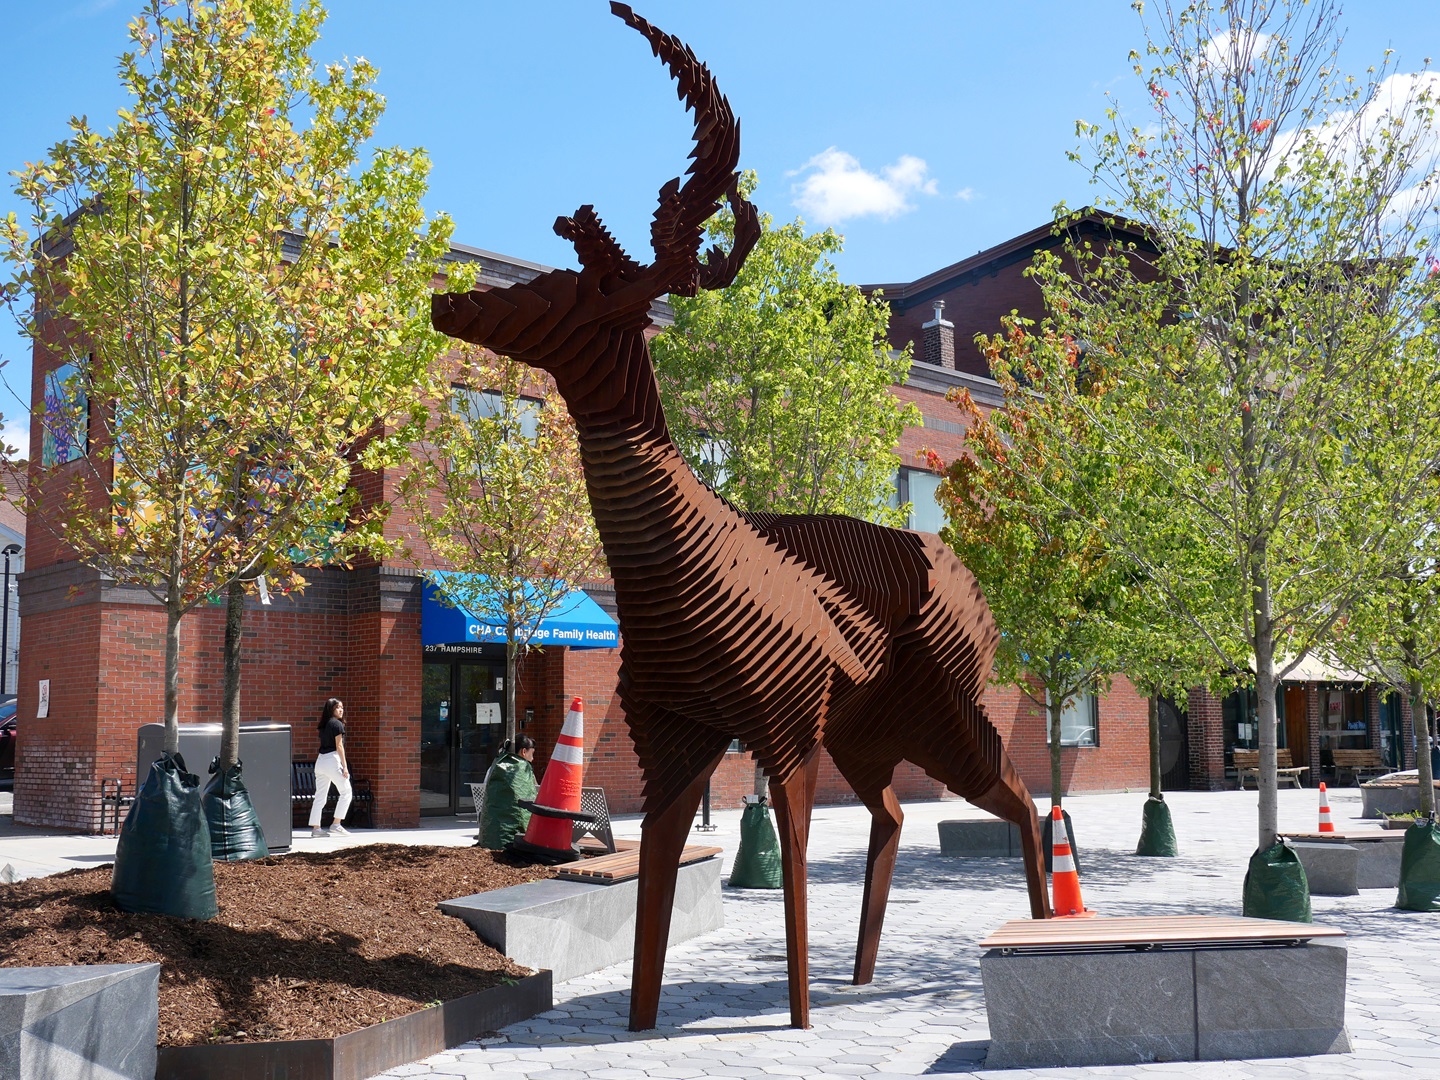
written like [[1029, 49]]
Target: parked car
[[7, 739]]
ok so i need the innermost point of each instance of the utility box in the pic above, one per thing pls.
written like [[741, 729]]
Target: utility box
[[264, 755]]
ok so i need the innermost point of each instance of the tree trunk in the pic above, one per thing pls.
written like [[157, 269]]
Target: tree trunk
[[1056, 706], [1269, 815], [1155, 746], [172, 676], [1420, 721], [230, 701], [1420, 717], [512, 662]]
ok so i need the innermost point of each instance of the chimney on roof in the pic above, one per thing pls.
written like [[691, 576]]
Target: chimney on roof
[[938, 343]]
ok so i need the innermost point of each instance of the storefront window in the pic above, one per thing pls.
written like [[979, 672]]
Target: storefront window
[[1242, 728], [1342, 722]]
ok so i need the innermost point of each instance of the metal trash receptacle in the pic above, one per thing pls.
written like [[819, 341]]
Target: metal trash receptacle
[[264, 753]]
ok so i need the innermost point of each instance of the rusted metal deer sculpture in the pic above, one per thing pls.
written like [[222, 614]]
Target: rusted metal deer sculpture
[[785, 632]]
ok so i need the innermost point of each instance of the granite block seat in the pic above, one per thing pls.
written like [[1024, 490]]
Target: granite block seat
[[1330, 869], [1394, 793], [584, 920], [1080, 992], [1377, 854], [79, 1022], [987, 838]]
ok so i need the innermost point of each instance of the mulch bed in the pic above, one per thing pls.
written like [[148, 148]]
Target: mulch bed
[[306, 946]]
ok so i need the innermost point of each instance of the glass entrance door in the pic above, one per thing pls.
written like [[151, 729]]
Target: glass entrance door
[[480, 725], [462, 712], [436, 698]]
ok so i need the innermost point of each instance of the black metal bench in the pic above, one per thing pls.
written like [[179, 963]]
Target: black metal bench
[[302, 797], [113, 801]]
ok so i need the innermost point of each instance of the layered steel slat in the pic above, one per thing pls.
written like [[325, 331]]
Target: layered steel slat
[[786, 632]]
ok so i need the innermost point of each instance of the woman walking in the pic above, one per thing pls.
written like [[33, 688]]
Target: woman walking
[[331, 768]]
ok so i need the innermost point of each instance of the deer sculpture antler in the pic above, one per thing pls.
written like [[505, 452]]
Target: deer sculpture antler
[[517, 319]]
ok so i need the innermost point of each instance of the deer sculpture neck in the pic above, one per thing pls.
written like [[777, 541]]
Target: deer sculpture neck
[[587, 329]]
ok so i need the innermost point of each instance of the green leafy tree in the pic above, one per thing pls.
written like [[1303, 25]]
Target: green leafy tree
[[1048, 578], [778, 389], [244, 306], [1392, 635], [497, 493], [1262, 388], [1022, 497]]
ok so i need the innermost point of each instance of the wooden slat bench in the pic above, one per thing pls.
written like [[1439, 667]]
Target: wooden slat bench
[[625, 863], [1247, 764], [1068, 993], [1184, 931], [1361, 765]]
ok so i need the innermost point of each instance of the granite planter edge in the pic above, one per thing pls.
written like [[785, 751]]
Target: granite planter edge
[[370, 1050]]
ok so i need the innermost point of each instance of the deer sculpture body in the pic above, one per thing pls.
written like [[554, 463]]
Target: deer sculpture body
[[786, 632]]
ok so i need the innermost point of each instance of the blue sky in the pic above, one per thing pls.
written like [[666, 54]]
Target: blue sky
[[924, 130]]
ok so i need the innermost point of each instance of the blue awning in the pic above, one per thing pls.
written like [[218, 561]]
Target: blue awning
[[578, 623]]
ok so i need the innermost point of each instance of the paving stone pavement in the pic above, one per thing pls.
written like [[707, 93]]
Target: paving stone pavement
[[724, 1011]]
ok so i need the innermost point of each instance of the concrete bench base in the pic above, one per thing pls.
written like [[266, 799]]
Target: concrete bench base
[[1398, 796], [90, 1022], [1376, 858], [984, 839], [1051, 1010], [1330, 869], [574, 928]]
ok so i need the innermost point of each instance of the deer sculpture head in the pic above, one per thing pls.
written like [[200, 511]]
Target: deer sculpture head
[[561, 321]]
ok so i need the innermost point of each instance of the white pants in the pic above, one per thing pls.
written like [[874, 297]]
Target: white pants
[[327, 772]]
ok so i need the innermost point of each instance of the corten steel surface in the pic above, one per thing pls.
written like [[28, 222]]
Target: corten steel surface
[[780, 631]]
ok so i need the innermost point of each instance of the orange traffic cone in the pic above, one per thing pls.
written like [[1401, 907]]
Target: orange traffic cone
[[1064, 881], [550, 836], [1326, 825]]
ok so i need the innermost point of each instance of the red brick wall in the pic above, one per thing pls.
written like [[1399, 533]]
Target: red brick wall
[[55, 757], [974, 307], [1207, 741]]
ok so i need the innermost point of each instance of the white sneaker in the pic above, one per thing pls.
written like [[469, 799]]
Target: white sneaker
[[317, 833], [339, 830]]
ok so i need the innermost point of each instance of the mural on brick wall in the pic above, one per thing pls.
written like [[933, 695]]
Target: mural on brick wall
[[785, 632]]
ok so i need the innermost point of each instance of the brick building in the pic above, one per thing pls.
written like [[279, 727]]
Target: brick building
[[1321, 708], [357, 634]]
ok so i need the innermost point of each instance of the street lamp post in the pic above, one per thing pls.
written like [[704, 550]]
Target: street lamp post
[[10, 549]]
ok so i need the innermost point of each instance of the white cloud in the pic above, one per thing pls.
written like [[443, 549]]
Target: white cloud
[[834, 188], [16, 433], [1346, 133], [965, 194], [1235, 52]]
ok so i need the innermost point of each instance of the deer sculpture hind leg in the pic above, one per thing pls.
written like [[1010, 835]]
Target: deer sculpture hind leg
[[794, 797], [871, 783], [886, 819], [663, 834], [1009, 799]]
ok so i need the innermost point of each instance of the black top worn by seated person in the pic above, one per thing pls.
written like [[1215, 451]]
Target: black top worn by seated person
[[333, 729]]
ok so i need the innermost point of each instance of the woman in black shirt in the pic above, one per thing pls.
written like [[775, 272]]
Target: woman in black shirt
[[331, 768]]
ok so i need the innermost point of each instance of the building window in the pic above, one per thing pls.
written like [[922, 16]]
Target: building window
[[485, 404], [918, 488], [1342, 721], [1079, 720]]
